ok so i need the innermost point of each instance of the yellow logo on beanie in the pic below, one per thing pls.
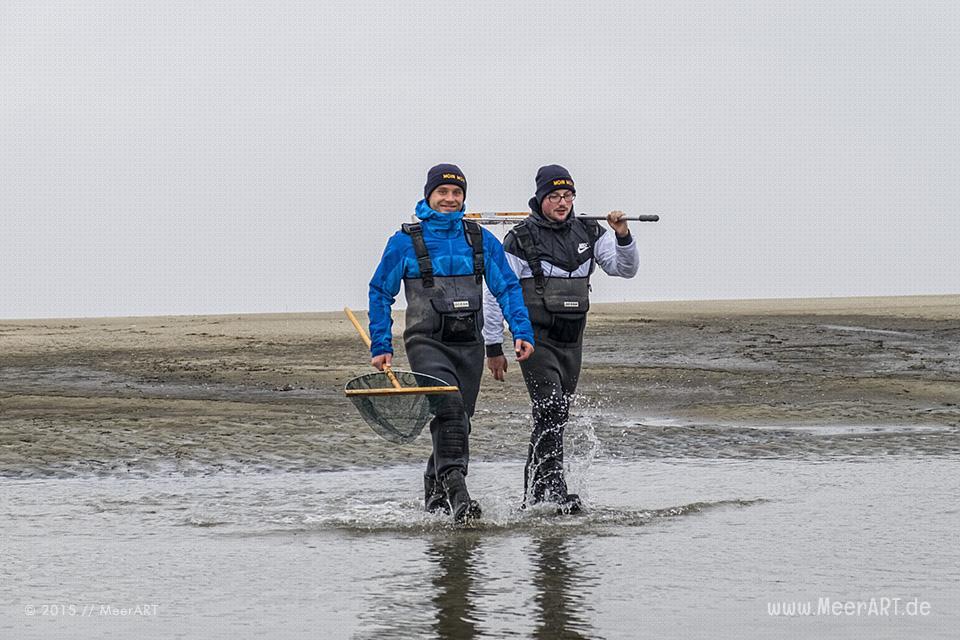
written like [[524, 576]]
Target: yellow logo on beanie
[[563, 182], [454, 176]]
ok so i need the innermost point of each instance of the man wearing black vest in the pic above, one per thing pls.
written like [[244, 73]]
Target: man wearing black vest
[[554, 253], [442, 260]]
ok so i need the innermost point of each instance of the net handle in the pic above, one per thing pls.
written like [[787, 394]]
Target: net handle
[[366, 341], [401, 390]]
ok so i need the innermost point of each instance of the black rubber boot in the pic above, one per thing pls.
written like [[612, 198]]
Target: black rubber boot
[[569, 505], [433, 498], [461, 506], [553, 489]]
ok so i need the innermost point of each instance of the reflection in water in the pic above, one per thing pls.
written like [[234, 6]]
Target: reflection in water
[[560, 601], [455, 606], [561, 606]]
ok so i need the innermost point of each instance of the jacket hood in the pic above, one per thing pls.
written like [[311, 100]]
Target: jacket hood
[[438, 222]]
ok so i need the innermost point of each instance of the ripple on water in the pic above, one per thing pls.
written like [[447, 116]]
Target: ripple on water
[[408, 517]]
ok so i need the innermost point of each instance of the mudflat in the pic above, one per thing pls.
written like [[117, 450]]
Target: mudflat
[[762, 378]]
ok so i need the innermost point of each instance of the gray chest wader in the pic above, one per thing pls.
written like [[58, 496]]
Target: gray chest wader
[[443, 338], [558, 311]]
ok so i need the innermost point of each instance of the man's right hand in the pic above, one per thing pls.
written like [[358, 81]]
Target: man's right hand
[[381, 361], [497, 366]]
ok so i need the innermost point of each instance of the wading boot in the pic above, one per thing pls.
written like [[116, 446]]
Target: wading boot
[[569, 505], [433, 498], [553, 489], [461, 506]]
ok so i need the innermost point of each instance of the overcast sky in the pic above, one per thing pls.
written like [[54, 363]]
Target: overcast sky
[[217, 157]]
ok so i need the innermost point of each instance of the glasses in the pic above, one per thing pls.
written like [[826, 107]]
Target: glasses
[[554, 198]]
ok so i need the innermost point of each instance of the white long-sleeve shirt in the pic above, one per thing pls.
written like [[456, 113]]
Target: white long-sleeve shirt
[[615, 259]]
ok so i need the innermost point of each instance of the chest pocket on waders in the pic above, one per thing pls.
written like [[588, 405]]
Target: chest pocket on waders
[[459, 319], [569, 317]]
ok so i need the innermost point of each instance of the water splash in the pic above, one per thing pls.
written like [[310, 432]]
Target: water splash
[[583, 446], [500, 517]]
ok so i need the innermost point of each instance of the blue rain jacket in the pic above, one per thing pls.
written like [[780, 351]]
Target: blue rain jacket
[[450, 255]]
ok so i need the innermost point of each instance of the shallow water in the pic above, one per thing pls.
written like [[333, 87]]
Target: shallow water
[[220, 486], [670, 547]]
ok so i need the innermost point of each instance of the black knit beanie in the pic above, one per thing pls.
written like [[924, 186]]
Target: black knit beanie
[[552, 178], [444, 174]]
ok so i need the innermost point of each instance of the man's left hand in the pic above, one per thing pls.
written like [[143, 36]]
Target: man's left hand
[[617, 222]]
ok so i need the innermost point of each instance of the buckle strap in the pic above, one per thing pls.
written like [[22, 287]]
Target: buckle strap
[[475, 240], [525, 241], [415, 231], [593, 233]]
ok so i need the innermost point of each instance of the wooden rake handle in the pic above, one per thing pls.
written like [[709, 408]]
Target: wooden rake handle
[[400, 391], [366, 340]]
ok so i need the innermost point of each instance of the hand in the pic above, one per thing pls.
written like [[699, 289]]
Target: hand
[[497, 366], [616, 221], [381, 361], [523, 350]]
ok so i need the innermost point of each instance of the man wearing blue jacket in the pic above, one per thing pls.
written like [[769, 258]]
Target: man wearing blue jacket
[[442, 261]]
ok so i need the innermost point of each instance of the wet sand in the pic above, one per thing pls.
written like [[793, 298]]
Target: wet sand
[[751, 379]]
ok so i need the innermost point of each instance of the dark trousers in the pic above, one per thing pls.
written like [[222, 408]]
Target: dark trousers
[[461, 366], [551, 375]]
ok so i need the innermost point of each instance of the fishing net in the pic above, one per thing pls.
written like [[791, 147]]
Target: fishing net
[[396, 416]]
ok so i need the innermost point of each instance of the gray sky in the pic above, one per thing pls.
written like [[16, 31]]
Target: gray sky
[[217, 157]]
